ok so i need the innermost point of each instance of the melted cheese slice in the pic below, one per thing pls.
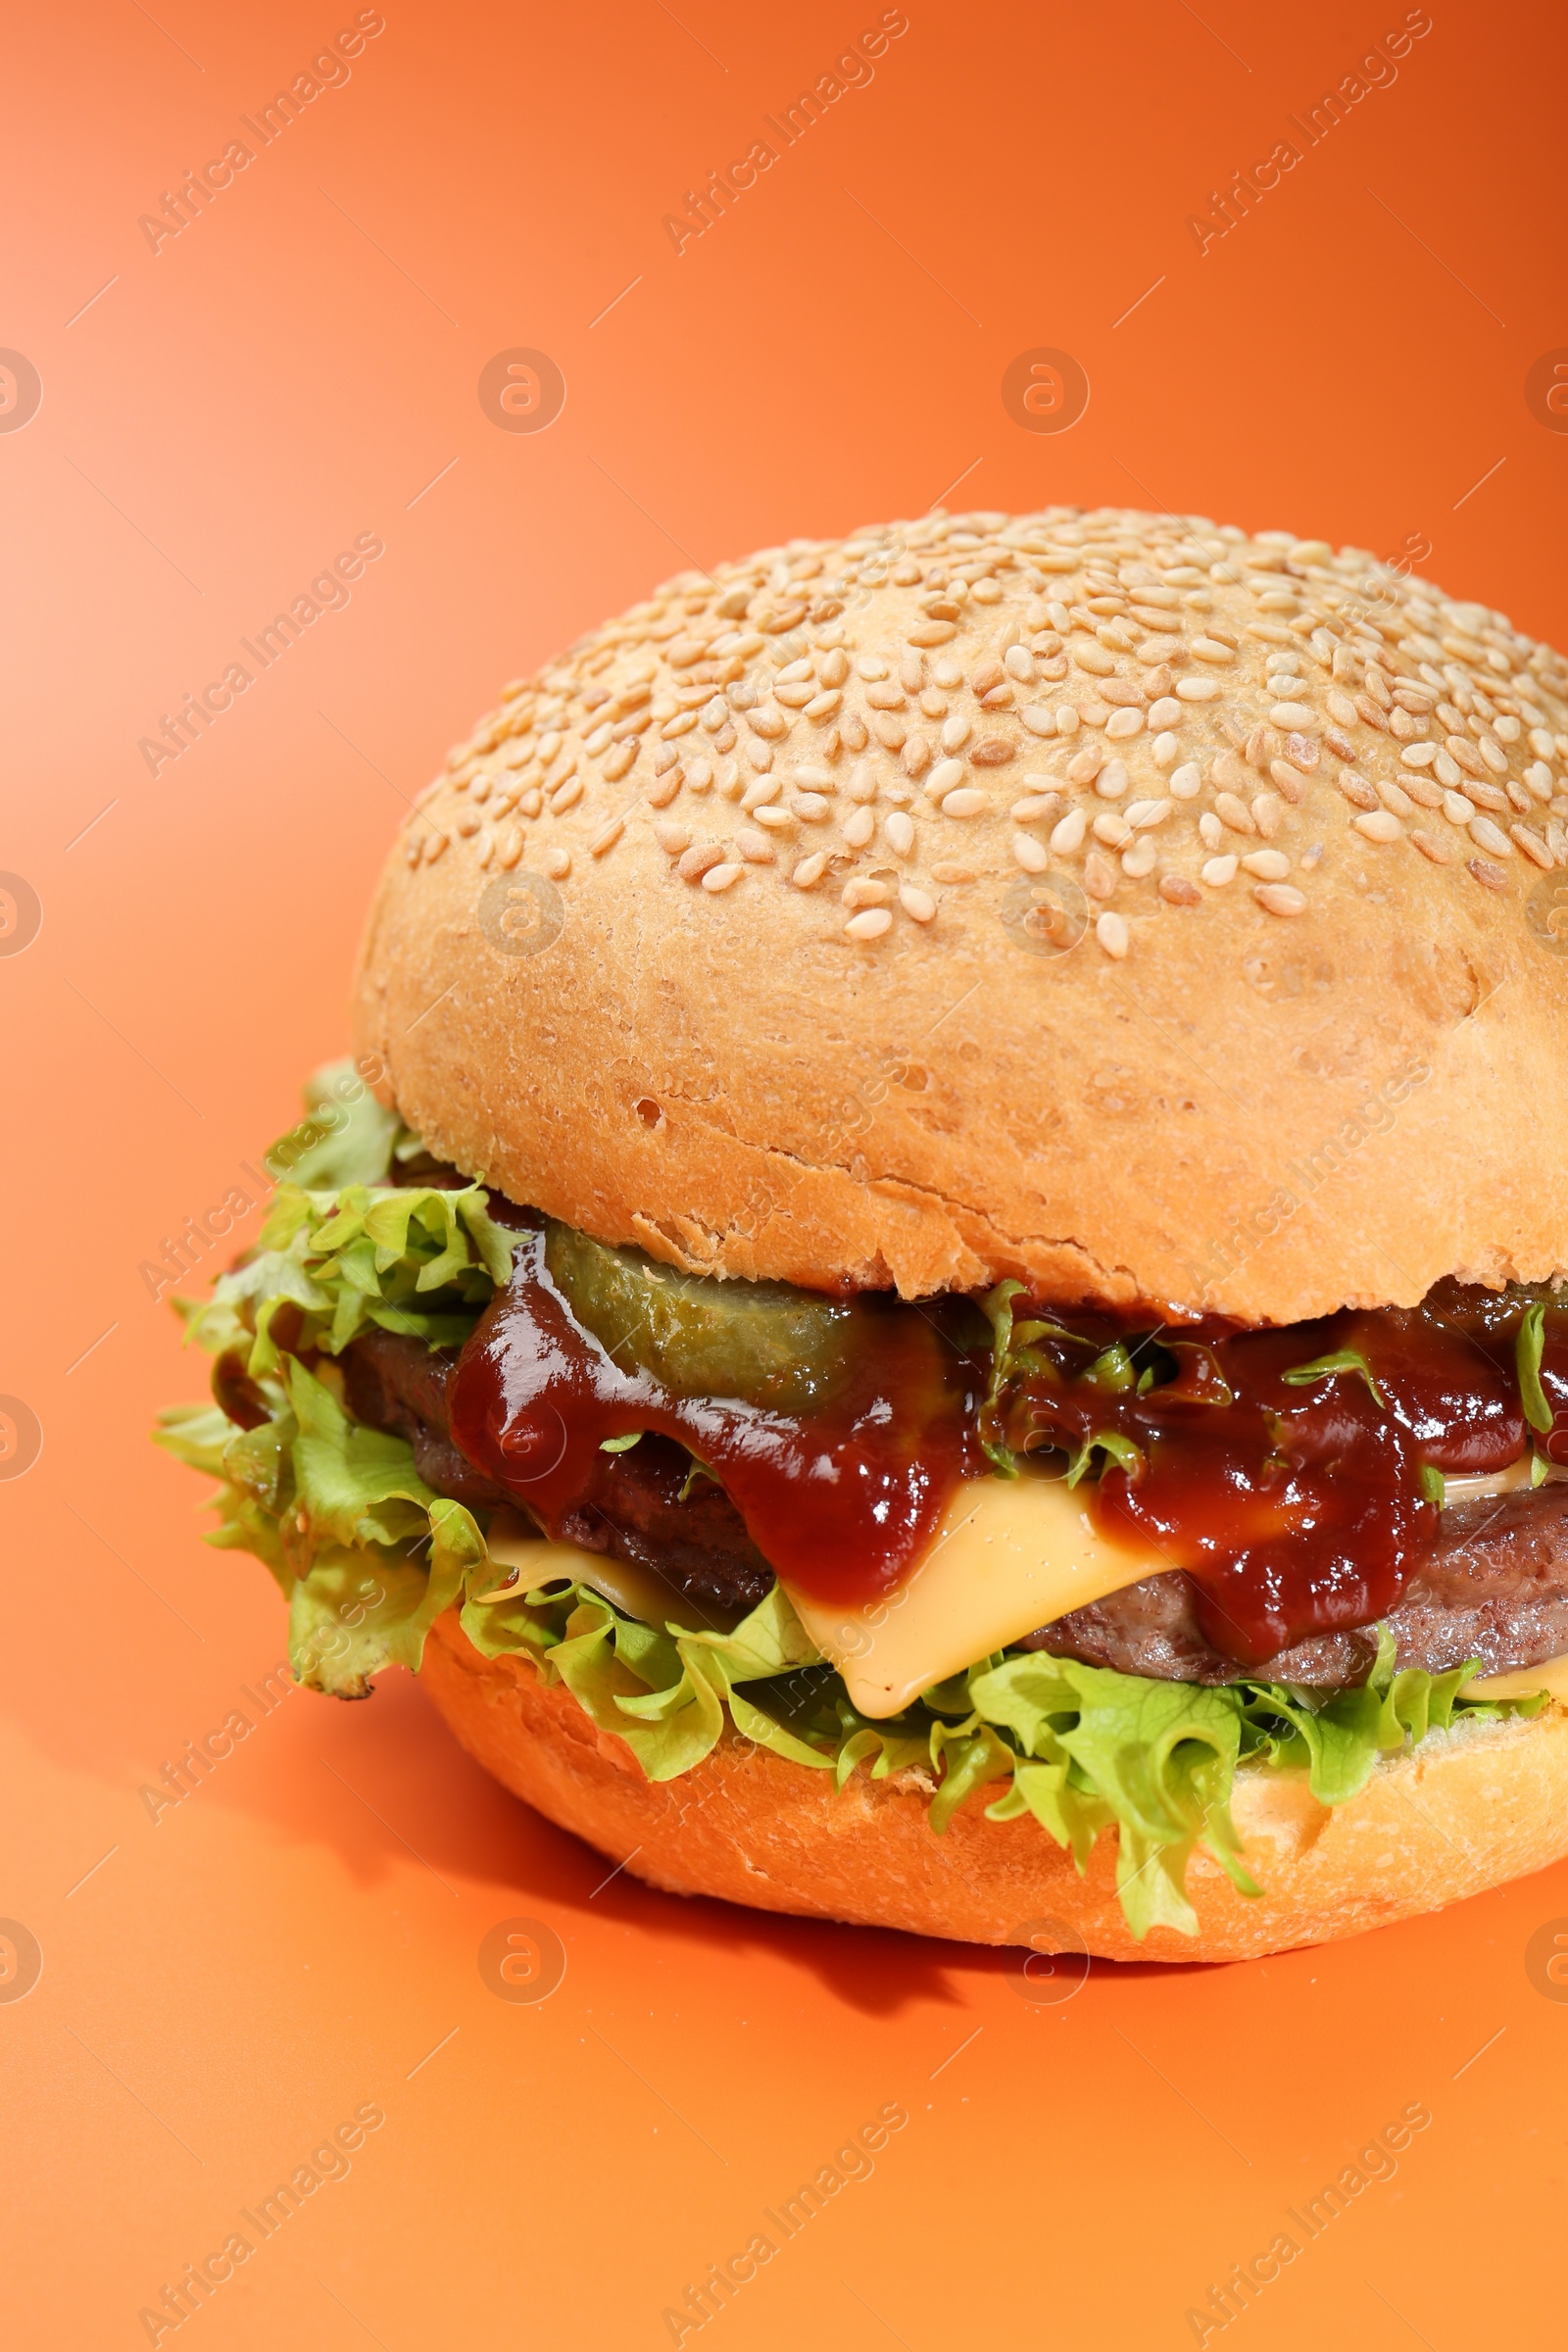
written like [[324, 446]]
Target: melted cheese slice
[[1496, 1482], [1011, 1554], [1550, 1675], [512, 1543]]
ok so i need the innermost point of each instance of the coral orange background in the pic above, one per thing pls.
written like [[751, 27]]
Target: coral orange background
[[218, 419]]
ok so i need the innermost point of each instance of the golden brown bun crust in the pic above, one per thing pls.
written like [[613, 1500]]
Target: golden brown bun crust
[[1332, 1077], [1463, 1813]]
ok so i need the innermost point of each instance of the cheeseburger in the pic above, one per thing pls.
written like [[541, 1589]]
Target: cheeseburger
[[934, 1296]]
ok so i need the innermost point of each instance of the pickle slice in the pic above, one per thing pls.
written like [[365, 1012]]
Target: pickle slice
[[763, 1342]]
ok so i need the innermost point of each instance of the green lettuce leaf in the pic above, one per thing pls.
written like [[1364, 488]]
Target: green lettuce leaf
[[346, 1137], [366, 1554]]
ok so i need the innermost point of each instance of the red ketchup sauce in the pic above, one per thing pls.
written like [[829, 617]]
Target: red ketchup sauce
[[1297, 1507], [841, 1503]]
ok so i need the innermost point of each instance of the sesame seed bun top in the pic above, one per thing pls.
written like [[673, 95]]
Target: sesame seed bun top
[[1158, 913]]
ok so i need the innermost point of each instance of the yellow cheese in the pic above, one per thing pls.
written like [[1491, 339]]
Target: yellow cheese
[[636, 1591], [1496, 1482], [1550, 1675], [1011, 1554]]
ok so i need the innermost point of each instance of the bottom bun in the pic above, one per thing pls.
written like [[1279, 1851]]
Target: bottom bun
[[1468, 1809]]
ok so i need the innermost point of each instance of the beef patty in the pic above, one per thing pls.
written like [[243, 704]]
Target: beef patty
[[634, 1511], [1494, 1585]]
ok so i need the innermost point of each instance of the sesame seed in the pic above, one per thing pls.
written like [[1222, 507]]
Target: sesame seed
[[1532, 845], [861, 892], [1279, 898], [858, 828], [557, 864], [1290, 714], [811, 869], [755, 847], [701, 860], [944, 777], [1030, 853], [1234, 814], [1177, 891], [1123, 723], [607, 837], [1268, 813], [918, 904], [1185, 782], [965, 801], [870, 924], [1139, 859], [1095, 659], [1198, 690], [1111, 828], [1489, 877], [1111, 930], [1209, 648], [1432, 846], [1112, 781], [1217, 871], [434, 844], [660, 794], [672, 839], [720, 877], [1269, 865], [1488, 835], [1069, 835], [1379, 824], [758, 795], [1099, 876]]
